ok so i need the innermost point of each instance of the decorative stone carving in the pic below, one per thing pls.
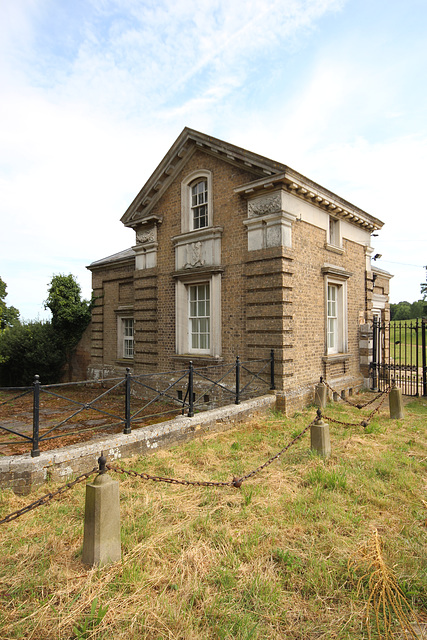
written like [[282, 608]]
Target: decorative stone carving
[[194, 255], [146, 245], [201, 248], [143, 236], [264, 206], [269, 221]]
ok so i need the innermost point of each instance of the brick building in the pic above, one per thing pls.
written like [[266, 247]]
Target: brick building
[[236, 254]]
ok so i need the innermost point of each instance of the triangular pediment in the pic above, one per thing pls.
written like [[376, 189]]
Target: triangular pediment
[[188, 142]]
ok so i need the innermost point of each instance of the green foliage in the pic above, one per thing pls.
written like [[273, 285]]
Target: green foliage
[[327, 479], [407, 310], [9, 316], [28, 349], [84, 629], [70, 314], [43, 348]]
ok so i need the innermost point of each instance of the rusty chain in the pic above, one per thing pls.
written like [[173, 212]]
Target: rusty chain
[[235, 482], [357, 405], [147, 476], [266, 464], [363, 423], [47, 497]]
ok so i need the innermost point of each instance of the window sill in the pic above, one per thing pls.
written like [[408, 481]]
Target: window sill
[[334, 249], [336, 357], [197, 359]]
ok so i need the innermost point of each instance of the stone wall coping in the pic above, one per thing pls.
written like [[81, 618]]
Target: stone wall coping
[[22, 473]]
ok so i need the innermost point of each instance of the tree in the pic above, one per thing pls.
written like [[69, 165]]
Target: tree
[[424, 292], [401, 310], [70, 313], [9, 316], [407, 310], [45, 348], [27, 349]]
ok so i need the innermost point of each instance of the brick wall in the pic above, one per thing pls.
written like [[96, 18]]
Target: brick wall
[[270, 298]]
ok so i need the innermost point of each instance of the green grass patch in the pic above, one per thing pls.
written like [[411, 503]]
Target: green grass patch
[[266, 561]]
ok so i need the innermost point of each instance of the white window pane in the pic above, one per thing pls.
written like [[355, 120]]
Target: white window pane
[[128, 337], [199, 325], [199, 199]]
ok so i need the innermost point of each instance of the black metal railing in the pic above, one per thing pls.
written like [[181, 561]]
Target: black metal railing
[[136, 398], [399, 354]]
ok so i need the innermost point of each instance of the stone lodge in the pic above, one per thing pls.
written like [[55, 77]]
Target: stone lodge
[[236, 254]]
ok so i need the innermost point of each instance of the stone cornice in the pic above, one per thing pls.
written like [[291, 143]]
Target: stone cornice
[[267, 173], [307, 190]]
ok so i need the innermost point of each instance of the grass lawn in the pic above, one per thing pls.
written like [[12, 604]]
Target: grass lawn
[[281, 557], [405, 341]]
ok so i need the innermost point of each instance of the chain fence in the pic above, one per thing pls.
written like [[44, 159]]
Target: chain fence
[[363, 423], [48, 497], [236, 482], [356, 405]]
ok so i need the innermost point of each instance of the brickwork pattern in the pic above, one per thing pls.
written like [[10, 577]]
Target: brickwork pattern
[[270, 298]]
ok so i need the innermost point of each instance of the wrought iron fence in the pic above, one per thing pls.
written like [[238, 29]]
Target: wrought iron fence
[[130, 400], [400, 354]]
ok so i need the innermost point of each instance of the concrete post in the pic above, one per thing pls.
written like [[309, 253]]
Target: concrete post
[[319, 436], [101, 540], [320, 395], [395, 403]]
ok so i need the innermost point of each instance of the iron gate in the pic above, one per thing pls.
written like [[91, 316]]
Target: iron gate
[[399, 354]]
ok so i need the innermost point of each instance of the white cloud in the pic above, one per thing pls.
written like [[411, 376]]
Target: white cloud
[[96, 91]]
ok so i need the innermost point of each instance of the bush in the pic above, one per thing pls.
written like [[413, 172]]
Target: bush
[[28, 349]]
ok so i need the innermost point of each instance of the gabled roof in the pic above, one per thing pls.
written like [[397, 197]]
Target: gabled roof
[[267, 173], [177, 156]]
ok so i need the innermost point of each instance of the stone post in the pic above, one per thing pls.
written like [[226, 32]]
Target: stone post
[[395, 403], [101, 539], [320, 438], [320, 395]]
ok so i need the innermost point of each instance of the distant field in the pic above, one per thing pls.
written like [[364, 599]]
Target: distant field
[[404, 347]]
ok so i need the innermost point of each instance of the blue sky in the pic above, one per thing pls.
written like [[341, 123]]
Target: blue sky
[[94, 92]]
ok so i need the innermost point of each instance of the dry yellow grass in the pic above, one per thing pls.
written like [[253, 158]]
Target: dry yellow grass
[[267, 561]]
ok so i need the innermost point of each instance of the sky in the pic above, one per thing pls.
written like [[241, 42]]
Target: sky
[[93, 93]]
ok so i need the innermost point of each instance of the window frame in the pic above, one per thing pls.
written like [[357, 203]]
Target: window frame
[[199, 204], [183, 326], [336, 279], [199, 321], [332, 318], [187, 209], [334, 239], [124, 340]]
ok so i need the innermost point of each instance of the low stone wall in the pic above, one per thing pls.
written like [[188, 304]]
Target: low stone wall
[[23, 473]]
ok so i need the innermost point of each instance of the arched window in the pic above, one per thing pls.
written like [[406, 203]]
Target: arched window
[[199, 205], [196, 201]]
